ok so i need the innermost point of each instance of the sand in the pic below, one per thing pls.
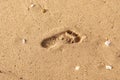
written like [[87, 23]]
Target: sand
[[59, 39]]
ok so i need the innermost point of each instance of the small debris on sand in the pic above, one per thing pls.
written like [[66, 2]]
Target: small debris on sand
[[32, 5], [24, 41], [44, 10], [107, 43], [77, 68], [1, 71], [108, 67]]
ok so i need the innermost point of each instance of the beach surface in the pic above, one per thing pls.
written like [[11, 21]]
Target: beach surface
[[59, 39]]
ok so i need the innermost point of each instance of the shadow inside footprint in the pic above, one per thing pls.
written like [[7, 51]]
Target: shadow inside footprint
[[48, 42], [77, 39], [66, 37], [72, 33]]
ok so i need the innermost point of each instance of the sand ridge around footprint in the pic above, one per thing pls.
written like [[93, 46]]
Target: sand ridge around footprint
[[65, 37]]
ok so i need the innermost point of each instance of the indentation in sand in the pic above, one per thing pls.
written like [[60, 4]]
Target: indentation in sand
[[66, 37]]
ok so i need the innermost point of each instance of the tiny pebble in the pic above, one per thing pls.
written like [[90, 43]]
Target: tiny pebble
[[23, 41], [108, 67], [1, 72], [32, 5], [21, 78], [107, 43], [44, 10], [77, 68]]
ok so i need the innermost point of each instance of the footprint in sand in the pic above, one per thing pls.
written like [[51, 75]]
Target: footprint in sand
[[66, 37]]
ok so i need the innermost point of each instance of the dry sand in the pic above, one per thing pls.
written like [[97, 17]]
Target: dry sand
[[25, 24]]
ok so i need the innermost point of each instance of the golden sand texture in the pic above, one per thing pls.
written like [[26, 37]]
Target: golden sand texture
[[59, 39]]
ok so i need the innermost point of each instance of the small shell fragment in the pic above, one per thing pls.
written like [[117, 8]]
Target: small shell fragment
[[108, 67], [77, 68], [107, 43], [32, 5], [23, 41]]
